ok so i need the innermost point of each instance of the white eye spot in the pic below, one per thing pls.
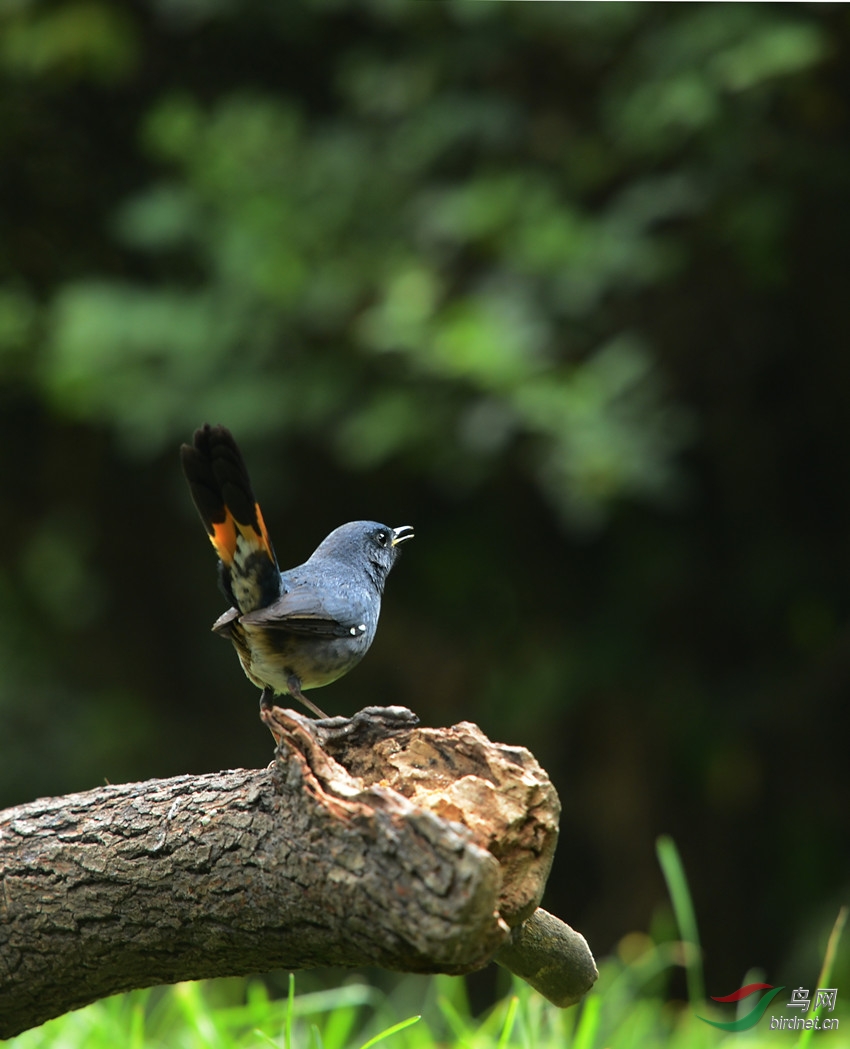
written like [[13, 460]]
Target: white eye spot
[[352, 631], [361, 628]]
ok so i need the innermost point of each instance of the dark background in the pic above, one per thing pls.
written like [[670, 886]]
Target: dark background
[[563, 285]]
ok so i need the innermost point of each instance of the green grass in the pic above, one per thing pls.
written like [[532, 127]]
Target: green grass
[[629, 1008], [622, 1011]]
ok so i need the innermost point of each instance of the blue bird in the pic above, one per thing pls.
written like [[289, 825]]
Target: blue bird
[[302, 628]]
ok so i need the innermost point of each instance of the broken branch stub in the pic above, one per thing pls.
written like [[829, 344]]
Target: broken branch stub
[[498, 794]]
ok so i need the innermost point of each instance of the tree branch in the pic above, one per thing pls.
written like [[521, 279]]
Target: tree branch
[[368, 841]]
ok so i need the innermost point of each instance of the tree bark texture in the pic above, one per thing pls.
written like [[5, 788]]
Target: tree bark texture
[[368, 841]]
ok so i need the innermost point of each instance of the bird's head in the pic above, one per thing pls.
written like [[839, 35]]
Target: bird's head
[[367, 545]]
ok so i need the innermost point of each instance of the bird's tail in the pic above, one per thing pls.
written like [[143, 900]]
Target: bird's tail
[[221, 491]]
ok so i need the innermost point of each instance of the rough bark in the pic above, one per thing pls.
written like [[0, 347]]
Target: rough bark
[[368, 841]]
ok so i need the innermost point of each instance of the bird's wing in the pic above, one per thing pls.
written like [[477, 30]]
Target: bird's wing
[[225, 621], [304, 610]]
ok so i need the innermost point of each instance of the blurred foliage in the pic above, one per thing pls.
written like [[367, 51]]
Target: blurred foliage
[[562, 285], [359, 240]]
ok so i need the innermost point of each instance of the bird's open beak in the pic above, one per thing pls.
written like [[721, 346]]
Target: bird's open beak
[[402, 534]]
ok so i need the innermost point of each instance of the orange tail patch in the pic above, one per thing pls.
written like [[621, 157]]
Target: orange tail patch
[[221, 491], [226, 535]]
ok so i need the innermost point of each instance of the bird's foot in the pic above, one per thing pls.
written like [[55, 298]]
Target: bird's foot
[[294, 686]]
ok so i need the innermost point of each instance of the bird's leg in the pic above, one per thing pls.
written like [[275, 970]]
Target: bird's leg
[[266, 703], [294, 686]]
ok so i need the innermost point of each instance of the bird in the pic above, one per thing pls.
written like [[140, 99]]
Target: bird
[[307, 626]]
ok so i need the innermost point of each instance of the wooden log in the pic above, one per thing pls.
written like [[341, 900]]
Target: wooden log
[[368, 841]]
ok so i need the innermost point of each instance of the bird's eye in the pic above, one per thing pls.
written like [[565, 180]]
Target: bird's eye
[[382, 538]]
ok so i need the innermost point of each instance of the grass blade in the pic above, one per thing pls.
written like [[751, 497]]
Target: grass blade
[[391, 1030], [588, 1025], [290, 1013], [826, 969], [683, 908], [508, 1025]]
